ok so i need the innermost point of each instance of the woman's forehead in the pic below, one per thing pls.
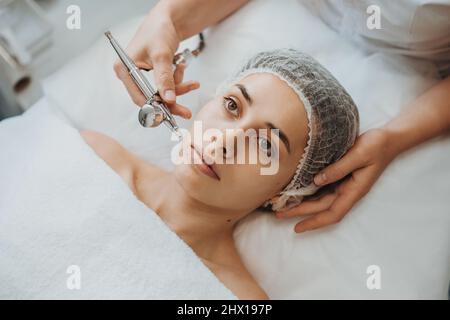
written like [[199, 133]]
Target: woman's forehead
[[276, 102], [267, 87]]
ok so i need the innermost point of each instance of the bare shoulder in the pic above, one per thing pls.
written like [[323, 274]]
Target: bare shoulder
[[106, 147], [246, 287], [123, 162], [113, 153], [236, 277], [240, 282]]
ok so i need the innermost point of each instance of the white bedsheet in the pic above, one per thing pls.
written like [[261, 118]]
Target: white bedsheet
[[402, 225], [65, 213]]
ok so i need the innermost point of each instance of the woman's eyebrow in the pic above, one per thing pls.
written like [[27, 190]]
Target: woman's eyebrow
[[281, 135], [245, 93]]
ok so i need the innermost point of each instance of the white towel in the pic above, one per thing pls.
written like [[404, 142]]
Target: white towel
[[70, 228]]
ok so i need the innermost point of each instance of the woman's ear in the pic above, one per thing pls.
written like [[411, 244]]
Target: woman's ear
[[274, 199]]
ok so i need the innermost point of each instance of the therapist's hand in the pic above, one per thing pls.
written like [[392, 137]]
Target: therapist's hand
[[153, 47], [363, 164], [425, 118]]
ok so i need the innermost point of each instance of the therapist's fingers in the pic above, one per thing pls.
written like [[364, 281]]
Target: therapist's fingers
[[186, 87], [178, 74], [164, 75], [180, 89], [309, 207], [347, 194], [133, 90], [352, 160], [181, 110]]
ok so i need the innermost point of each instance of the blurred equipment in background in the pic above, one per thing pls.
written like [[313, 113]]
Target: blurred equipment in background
[[25, 34], [36, 42]]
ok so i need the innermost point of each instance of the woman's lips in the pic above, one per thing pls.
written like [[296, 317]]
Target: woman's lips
[[203, 166]]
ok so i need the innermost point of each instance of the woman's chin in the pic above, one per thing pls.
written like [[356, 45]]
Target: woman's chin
[[192, 180], [207, 190]]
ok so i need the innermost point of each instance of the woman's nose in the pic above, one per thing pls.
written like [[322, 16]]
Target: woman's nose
[[222, 144]]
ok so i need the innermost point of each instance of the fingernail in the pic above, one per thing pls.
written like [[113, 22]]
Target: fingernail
[[320, 178], [169, 95], [298, 230]]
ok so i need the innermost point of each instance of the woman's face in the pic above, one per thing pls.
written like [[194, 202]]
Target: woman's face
[[259, 101]]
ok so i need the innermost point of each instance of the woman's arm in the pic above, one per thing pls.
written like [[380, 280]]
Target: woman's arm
[[427, 117]]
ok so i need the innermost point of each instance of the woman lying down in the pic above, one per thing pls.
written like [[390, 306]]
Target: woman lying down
[[284, 89], [317, 122]]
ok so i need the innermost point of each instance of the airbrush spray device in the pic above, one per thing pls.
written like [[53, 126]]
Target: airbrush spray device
[[154, 111]]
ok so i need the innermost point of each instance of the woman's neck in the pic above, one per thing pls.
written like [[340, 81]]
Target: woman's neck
[[206, 229]]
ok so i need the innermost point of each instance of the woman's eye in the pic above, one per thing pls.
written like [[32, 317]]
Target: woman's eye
[[265, 146], [231, 106]]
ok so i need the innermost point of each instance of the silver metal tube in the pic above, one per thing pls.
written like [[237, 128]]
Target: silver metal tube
[[146, 89], [133, 70]]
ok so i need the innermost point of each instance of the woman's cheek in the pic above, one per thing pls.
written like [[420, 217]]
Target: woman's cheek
[[254, 182]]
